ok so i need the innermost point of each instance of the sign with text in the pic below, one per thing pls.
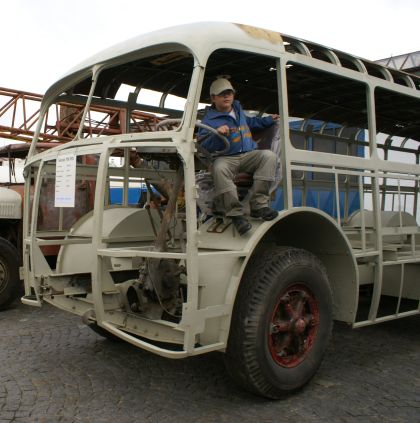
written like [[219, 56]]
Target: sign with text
[[65, 180]]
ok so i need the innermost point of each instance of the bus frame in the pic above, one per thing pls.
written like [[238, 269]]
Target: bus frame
[[176, 281]]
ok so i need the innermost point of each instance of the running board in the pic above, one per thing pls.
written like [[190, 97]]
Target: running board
[[31, 300]]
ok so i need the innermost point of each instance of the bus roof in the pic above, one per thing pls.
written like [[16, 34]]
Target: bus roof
[[157, 62], [211, 35], [206, 36]]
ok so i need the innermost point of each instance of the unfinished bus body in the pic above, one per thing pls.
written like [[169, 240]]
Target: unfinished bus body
[[171, 277]]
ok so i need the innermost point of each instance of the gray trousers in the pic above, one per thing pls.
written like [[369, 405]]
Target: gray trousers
[[261, 163]]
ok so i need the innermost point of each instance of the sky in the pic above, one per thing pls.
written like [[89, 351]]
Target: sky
[[42, 39]]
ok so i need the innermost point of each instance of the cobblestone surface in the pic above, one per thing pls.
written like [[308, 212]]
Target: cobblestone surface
[[55, 369]]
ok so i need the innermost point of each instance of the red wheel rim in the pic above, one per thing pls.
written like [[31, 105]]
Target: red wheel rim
[[293, 326]]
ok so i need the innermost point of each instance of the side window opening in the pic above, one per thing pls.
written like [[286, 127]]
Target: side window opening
[[327, 114], [253, 76], [397, 140]]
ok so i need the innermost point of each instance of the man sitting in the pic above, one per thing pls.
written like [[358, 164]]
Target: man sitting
[[228, 118]]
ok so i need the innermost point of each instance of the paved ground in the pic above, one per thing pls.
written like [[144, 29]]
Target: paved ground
[[55, 369]]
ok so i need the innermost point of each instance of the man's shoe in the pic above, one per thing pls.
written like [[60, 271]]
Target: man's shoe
[[265, 213], [241, 224]]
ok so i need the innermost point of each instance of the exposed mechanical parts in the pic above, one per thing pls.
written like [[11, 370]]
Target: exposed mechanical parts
[[158, 292]]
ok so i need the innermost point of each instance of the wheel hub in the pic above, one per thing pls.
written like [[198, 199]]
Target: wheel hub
[[294, 326], [299, 326]]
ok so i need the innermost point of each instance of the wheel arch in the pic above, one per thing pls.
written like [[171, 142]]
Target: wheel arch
[[316, 232]]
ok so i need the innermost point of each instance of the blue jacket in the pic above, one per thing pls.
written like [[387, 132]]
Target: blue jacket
[[240, 137]]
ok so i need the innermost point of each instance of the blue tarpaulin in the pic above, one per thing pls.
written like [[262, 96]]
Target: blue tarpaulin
[[321, 197]]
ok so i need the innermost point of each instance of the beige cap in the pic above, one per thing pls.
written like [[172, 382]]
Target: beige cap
[[220, 85]]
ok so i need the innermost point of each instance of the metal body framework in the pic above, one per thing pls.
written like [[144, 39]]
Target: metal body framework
[[345, 195]]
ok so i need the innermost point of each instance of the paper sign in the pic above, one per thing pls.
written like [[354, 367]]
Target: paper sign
[[65, 180]]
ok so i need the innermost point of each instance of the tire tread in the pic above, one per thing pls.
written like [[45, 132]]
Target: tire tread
[[241, 358]]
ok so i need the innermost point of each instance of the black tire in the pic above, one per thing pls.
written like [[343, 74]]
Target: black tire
[[10, 284], [281, 322]]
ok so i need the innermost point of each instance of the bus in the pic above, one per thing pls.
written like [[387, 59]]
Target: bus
[[166, 274]]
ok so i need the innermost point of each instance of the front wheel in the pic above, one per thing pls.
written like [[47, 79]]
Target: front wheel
[[281, 322]]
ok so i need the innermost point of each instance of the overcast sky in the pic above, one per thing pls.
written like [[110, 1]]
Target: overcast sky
[[42, 39]]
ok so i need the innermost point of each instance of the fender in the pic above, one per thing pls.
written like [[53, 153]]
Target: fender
[[315, 231]]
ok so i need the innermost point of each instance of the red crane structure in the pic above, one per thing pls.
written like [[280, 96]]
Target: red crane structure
[[19, 115]]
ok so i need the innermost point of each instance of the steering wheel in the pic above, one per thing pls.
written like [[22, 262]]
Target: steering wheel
[[167, 122]]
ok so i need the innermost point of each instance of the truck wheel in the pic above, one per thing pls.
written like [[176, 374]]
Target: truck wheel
[[9, 273], [281, 322]]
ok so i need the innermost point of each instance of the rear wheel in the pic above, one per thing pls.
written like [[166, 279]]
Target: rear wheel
[[281, 323], [9, 273]]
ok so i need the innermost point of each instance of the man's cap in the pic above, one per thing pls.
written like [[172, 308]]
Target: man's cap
[[220, 85]]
